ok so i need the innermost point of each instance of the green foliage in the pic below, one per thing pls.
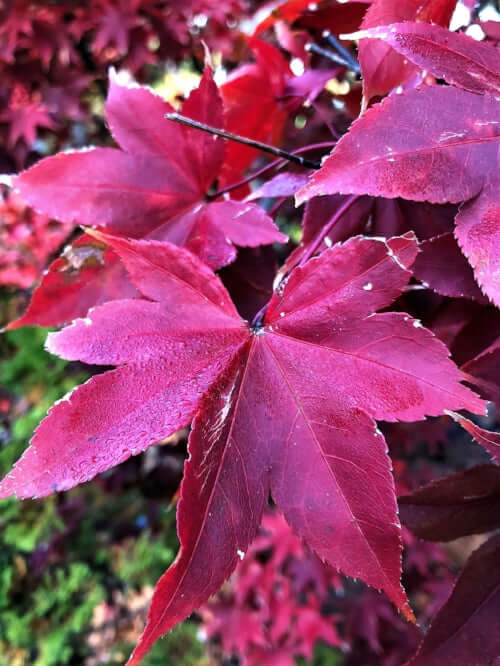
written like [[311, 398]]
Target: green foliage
[[55, 613], [26, 524], [146, 562]]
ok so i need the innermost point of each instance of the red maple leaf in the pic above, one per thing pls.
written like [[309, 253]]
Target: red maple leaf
[[273, 603], [117, 18], [16, 24], [440, 265], [286, 407], [154, 187], [282, 10], [252, 104], [484, 369], [489, 440], [337, 17]]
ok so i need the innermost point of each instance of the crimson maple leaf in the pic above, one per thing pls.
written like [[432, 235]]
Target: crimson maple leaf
[[16, 23], [458, 505], [154, 187], [440, 263], [116, 21], [273, 604], [252, 95], [484, 369], [283, 10], [283, 407]]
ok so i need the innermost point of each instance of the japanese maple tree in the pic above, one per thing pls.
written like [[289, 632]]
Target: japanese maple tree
[[283, 371]]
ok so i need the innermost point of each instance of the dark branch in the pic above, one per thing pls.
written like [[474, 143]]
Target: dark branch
[[177, 118], [327, 54], [269, 167], [316, 244], [343, 52]]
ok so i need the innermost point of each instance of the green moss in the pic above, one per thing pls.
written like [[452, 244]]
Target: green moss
[[24, 525]]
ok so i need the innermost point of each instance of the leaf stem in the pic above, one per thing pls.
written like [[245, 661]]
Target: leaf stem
[[269, 167], [302, 161], [314, 48], [327, 228], [259, 317]]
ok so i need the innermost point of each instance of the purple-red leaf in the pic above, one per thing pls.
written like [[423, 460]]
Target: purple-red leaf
[[282, 185], [196, 157], [105, 421], [463, 632], [454, 57], [464, 503], [85, 275], [170, 364], [343, 223], [209, 231], [128, 194], [484, 370], [222, 499], [252, 105], [478, 234], [154, 187], [442, 266], [436, 144]]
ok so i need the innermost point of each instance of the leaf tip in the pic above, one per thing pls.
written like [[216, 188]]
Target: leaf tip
[[408, 614], [94, 233], [50, 343], [301, 197]]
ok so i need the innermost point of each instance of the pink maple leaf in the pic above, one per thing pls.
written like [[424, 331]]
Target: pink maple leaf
[[154, 187]]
